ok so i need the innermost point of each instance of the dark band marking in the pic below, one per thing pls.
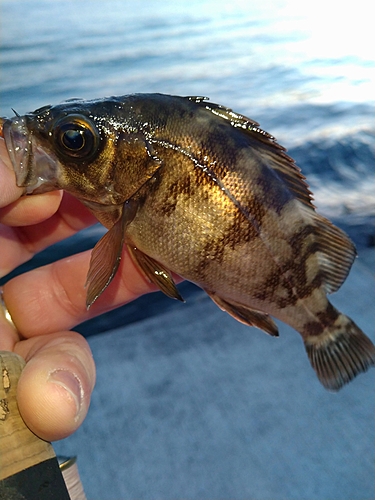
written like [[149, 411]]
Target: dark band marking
[[326, 318]]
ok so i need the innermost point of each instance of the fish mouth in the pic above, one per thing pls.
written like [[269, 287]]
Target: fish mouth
[[36, 168]]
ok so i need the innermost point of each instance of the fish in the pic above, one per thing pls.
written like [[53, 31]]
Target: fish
[[197, 190]]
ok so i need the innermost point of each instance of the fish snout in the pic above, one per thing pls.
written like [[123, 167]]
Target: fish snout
[[18, 144], [34, 166]]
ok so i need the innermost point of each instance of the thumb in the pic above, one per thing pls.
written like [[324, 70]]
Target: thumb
[[55, 386]]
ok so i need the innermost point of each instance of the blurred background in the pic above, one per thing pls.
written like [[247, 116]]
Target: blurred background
[[189, 403]]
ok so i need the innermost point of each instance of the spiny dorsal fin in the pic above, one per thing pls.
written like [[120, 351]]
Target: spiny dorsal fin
[[274, 154]]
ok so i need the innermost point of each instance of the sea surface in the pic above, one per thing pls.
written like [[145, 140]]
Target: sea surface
[[304, 71]]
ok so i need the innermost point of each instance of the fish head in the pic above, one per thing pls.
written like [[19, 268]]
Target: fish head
[[59, 147]]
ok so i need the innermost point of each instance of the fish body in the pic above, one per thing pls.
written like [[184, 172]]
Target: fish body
[[195, 189]]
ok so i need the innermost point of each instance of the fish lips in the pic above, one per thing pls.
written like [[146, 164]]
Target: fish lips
[[35, 167]]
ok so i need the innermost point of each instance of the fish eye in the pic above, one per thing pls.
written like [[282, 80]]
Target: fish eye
[[76, 137]]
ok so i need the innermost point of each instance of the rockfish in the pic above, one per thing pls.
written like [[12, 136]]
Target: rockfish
[[195, 189]]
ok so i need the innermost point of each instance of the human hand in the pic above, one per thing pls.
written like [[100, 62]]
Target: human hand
[[55, 386]]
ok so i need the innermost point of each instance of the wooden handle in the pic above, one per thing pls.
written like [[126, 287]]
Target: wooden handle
[[28, 466]]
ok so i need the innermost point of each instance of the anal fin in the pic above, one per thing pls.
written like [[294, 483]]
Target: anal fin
[[246, 315], [156, 273], [106, 255]]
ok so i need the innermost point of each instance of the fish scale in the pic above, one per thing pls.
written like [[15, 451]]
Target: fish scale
[[196, 189]]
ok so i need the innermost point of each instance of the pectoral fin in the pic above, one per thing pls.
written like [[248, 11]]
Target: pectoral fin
[[106, 255], [245, 315], [156, 273]]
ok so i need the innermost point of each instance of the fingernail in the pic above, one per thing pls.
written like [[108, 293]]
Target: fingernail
[[71, 384]]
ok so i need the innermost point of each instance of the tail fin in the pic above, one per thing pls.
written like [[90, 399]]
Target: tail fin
[[339, 356]]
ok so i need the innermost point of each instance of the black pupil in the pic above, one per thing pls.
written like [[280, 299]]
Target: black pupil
[[73, 139]]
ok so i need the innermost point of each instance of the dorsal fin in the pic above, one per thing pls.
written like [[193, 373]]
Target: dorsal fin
[[274, 154]]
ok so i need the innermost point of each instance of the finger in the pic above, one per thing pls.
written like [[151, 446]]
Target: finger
[[20, 244], [29, 210], [9, 191], [54, 389], [53, 297]]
